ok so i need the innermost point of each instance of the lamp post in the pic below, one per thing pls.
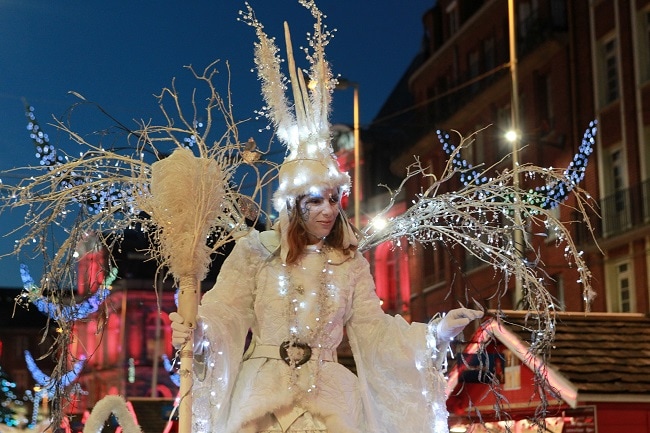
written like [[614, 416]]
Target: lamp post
[[514, 137], [356, 182]]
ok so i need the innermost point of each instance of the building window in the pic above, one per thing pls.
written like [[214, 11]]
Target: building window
[[559, 13], [489, 54], [431, 270], [618, 180], [609, 71], [391, 286], [645, 174], [623, 296], [548, 88], [153, 333], [544, 106], [527, 17], [616, 206], [428, 268], [385, 272], [114, 346], [453, 20], [643, 51], [474, 66]]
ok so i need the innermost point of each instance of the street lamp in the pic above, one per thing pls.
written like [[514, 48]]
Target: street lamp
[[342, 84], [356, 182], [513, 136]]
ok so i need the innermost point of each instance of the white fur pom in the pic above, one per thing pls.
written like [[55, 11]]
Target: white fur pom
[[111, 404]]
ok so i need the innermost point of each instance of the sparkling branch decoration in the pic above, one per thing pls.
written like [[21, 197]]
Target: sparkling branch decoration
[[173, 181], [481, 219]]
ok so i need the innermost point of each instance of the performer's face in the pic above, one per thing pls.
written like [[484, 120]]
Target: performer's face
[[319, 211]]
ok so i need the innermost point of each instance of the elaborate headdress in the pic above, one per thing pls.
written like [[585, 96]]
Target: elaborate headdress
[[310, 163], [304, 128]]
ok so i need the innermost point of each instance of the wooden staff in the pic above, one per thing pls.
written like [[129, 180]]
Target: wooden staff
[[188, 304]]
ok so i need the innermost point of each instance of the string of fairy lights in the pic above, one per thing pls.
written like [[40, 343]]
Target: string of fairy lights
[[47, 386], [547, 196], [8, 399], [99, 196], [78, 311]]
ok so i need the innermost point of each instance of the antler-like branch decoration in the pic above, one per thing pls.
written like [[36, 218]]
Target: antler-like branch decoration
[[481, 219]]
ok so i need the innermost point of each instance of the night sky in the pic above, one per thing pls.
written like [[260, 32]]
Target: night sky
[[120, 53]]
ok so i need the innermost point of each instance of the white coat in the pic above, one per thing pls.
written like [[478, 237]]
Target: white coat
[[398, 387]]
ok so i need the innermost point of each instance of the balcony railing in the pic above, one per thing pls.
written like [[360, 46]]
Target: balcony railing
[[620, 212], [626, 209]]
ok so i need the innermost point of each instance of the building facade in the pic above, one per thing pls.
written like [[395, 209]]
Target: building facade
[[576, 62]]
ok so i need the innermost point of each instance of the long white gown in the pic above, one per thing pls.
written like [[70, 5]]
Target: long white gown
[[399, 387]]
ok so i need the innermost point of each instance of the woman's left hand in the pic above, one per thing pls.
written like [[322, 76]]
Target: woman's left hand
[[455, 321]]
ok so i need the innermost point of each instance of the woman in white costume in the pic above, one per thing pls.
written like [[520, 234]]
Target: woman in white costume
[[297, 302], [297, 288]]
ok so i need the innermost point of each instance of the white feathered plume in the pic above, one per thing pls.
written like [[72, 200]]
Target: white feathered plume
[[187, 202]]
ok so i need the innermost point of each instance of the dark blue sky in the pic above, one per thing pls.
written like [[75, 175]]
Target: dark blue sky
[[119, 53]]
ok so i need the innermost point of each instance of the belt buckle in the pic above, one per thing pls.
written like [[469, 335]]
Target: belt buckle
[[295, 353]]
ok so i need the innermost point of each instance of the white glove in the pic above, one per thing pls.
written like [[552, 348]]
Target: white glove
[[455, 321], [181, 333]]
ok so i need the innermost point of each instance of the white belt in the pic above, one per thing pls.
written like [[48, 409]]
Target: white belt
[[296, 355]]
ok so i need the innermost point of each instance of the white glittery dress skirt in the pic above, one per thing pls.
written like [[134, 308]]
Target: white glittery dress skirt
[[305, 423]]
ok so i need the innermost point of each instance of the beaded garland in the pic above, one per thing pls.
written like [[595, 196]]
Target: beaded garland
[[321, 297]]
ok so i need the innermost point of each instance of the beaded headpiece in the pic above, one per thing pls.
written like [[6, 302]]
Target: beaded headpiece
[[303, 128]]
